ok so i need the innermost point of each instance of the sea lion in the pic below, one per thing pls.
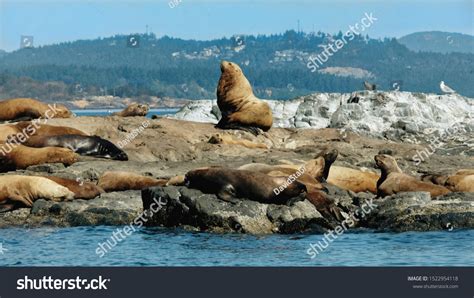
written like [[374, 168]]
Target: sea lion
[[393, 180], [229, 184], [122, 181], [7, 130], [22, 191], [82, 145], [228, 140], [240, 108], [15, 156], [463, 182], [32, 128], [82, 190], [135, 109], [310, 175], [28, 108], [347, 178]]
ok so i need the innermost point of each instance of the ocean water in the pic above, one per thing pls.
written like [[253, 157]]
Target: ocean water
[[176, 247], [108, 112]]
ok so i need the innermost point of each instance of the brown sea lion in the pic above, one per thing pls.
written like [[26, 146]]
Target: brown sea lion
[[22, 191], [83, 145], [460, 183], [229, 184], [14, 157], [309, 174], [240, 108], [176, 181], [7, 130], [347, 178], [393, 180], [228, 140], [435, 178], [135, 109], [33, 128], [82, 190], [122, 181], [28, 108]]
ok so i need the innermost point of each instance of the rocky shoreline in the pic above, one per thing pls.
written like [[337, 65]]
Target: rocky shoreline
[[169, 147]]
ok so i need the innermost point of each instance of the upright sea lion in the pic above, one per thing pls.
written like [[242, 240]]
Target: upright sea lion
[[122, 181], [229, 184], [82, 190], [135, 109], [393, 180], [28, 108], [83, 145], [228, 140], [22, 191], [32, 128], [240, 108], [14, 156]]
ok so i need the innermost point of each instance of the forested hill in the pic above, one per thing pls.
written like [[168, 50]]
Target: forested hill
[[276, 65]]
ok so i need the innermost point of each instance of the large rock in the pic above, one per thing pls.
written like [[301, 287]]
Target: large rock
[[118, 208], [381, 114], [192, 208], [416, 211]]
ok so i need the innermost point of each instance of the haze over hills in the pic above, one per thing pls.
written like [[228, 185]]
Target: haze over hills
[[276, 65], [439, 42]]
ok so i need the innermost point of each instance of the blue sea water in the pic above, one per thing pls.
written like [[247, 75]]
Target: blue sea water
[[176, 247], [108, 112]]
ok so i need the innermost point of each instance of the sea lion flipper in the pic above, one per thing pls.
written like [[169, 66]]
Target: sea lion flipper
[[227, 193], [15, 196]]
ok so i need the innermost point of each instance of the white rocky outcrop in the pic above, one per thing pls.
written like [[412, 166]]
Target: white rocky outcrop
[[371, 113]]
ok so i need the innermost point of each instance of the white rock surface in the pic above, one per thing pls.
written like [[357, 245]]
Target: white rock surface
[[376, 113]]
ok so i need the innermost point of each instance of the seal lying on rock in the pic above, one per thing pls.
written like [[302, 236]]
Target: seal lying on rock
[[460, 181], [15, 156], [135, 109], [239, 107], [22, 191], [36, 129], [83, 145], [228, 140], [393, 180], [228, 184], [28, 108], [310, 175], [347, 178], [82, 190], [122, 181]]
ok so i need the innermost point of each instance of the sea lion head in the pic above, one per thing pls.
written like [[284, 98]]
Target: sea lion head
[[233, 85], [108, 150], [216, 139], [387, 163], [61, 111], [136, 109]]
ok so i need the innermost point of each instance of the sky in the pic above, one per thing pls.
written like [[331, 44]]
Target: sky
[[54, 21]]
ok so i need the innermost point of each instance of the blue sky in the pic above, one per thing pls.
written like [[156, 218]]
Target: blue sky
[[56, 21]]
